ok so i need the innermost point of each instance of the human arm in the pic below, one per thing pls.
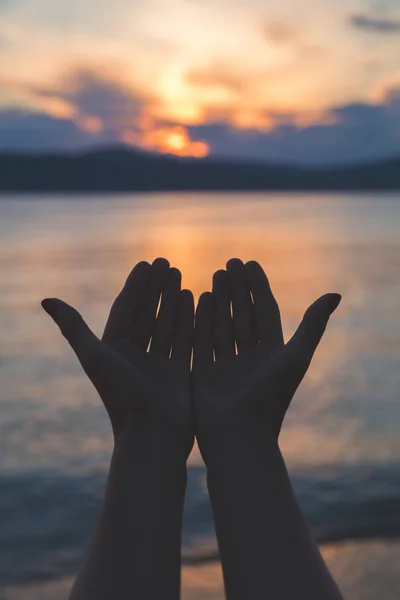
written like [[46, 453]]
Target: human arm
[[240, 401], [135, 548]]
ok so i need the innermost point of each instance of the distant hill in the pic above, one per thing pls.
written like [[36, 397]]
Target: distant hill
[[122, 169]]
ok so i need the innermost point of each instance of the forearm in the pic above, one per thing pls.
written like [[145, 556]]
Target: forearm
[[135, 549], [266, 548]]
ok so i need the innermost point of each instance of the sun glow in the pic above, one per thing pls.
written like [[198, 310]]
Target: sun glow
[[168, 140]]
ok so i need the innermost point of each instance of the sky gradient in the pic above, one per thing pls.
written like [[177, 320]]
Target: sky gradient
[[313, 81]]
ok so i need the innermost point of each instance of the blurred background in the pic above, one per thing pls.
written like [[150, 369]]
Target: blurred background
[[300, 87]]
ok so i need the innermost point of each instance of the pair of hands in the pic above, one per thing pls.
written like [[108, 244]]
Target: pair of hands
[[242, 378]]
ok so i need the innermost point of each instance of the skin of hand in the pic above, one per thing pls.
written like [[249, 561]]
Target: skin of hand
[[251, 390], [240, 400], [141, 370], [140, 386]]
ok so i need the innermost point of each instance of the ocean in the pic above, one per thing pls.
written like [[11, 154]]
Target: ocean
[[340, 438]]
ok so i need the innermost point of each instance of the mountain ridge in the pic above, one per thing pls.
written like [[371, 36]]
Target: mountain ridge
[[122, 169]]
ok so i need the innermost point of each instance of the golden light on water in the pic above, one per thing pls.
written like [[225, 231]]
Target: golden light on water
[[85, 255]]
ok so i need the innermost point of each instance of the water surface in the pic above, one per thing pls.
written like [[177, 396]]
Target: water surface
[[341, 435]]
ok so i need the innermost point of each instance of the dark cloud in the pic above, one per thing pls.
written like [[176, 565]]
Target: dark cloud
[[100, 95], [358, 132], [115, 105], [21, 130], [108, 99], [375, 24]]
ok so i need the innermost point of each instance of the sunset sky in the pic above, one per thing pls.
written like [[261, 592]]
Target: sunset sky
[[306, 80]]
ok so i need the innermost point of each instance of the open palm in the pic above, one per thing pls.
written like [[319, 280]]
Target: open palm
[[244, 374], [140, 368]]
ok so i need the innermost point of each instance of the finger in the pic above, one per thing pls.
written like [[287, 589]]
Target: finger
[[310, 331], [203, 354], [298, 352], [158, 275], [121, 323], [241, 304], [164, 326], [82, 340], [184, 335], [267, 318], [224, 338]]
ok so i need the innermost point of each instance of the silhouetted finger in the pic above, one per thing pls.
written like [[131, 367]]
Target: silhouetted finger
[[312, 328], [294, 360], [151, 299], [184, 334], [203, 334], [123, 317], [164, 326], [300, 349], [82, 340], [100, 363], [241, 304], [224, 339], [267, 318]]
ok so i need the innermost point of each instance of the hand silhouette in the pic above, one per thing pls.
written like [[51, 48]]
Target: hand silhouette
[[237, 394], [140, 387]]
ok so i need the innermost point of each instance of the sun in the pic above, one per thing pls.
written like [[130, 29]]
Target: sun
[[177, 139], [168, 140]]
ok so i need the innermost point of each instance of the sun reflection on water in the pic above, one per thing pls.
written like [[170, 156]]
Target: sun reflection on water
[[82, 252]]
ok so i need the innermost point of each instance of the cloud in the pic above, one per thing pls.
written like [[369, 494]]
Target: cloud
[[97, 95], [86, 108], [33, 131], [89, 109], [375, 24], [350, 133]]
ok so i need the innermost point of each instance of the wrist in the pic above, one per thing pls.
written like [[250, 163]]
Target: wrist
[[234, 439], [152, 441]]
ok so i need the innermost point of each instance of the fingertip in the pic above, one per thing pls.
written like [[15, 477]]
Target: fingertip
[[204, 304], [160, 263], [255, 274], [175, 275], [335, 296], [49, 305], [330, 301], [141, 269], [254, 269], [143, 264], [205, 297], [187, 306], [187, 303], [187, 296], [234, 263], [220, 273], [219, 277], [253, 264]]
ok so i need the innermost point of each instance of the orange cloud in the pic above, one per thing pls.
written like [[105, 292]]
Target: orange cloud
[[168, 140]]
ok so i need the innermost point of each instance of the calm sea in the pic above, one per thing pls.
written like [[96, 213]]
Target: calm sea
[[341, 437]]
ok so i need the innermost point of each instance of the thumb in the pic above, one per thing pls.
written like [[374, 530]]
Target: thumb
[[82, 340], [299, 351], [311, 329]]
